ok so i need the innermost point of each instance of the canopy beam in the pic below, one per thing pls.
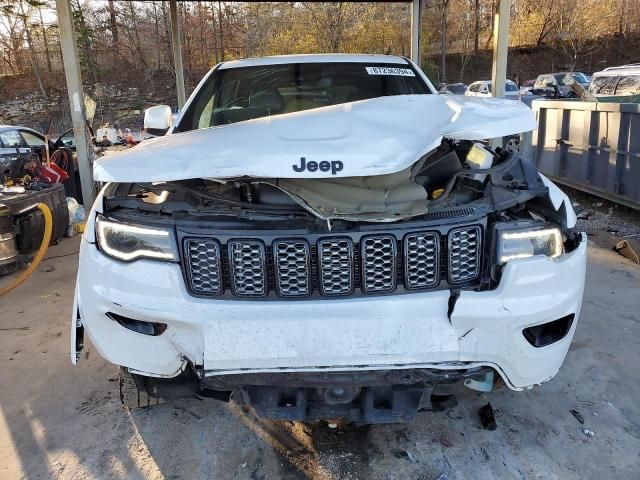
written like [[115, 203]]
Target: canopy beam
[[71, 62]]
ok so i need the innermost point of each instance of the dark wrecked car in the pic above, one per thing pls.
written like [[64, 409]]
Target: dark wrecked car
[[325, 236]]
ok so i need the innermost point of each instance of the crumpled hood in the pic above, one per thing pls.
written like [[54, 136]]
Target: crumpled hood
[[364, 138]]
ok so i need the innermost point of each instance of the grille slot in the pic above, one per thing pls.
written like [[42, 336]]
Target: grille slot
[[464, 254], [205, 270], [247, 263], [421, 260], [335, 264], [378, 256], [292, 267]]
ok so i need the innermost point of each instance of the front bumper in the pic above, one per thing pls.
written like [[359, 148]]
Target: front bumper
[[367, 333]]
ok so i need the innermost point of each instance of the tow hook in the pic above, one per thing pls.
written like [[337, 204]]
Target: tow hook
[[483, 383]]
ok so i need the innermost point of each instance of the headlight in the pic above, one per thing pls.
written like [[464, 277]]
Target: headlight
[[513, 244], [131, 242]]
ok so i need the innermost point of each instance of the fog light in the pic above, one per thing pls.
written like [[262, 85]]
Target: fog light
[[145, 328], [548, 333]]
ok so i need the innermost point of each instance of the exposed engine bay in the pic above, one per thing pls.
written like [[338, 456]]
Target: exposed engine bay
[[448, 177]]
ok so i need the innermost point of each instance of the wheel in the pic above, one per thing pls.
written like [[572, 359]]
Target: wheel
[[137, 391], [512, 143]]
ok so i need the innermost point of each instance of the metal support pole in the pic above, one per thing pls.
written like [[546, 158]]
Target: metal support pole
[[176, 43], [500, 50], [416, 23], [72, 72]]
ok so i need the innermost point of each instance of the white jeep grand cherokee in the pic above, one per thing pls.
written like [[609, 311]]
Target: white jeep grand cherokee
[[324, 236]]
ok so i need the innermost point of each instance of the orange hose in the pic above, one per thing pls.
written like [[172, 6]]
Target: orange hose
[[46, 238]]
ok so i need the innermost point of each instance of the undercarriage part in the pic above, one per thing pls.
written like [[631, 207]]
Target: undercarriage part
[[407, 376], [365, 397], [383, 404], [139, 391], [487, 417], [481, 384], [442, 403]]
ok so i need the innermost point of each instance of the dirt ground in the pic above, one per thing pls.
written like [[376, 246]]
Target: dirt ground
[[64, 422]]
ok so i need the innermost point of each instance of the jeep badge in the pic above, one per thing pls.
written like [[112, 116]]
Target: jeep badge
[[324, 166]]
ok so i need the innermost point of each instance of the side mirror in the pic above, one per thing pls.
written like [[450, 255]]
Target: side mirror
[[158, 120]]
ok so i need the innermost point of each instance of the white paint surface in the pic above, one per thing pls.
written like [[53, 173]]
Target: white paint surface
[[370, 137]]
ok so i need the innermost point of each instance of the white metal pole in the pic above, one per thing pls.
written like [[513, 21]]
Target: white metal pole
[[500, 47], [416, 23], [73, 75], [500, 51], [176, 43]]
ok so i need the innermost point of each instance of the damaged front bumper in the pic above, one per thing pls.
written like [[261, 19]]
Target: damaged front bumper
[[413, 331]]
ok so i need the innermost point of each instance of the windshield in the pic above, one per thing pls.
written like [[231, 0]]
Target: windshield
[[511, 87], [580, 77], [245, 93], [457, 88]]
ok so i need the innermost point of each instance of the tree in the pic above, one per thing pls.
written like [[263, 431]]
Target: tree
[[12, 38], [113, 25], [581, 23], [444, 6], [45, 39], [85, 36], [27, 30]]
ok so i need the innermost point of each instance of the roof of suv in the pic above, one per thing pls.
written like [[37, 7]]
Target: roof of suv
[[631, 69], [315, 58]]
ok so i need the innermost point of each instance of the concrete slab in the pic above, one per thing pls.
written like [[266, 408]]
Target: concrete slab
[[65, 422]]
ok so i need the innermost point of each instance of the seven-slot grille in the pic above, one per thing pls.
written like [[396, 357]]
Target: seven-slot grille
[[334, 266]]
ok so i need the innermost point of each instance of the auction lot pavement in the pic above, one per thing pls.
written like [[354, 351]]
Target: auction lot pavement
[[64, 422]]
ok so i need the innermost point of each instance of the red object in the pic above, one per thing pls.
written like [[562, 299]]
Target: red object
[[53, 173], [131, 140]]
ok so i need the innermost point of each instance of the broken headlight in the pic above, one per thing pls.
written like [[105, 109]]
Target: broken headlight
[[128, 243], [519, 242]]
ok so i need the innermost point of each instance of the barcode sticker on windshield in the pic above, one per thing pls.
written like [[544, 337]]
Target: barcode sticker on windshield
[[402, 72]]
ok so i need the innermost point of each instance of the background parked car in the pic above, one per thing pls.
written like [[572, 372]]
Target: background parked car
[[17, 145], [452, 88], [553, 85], [482, 88], [617, 84], [526, 87]]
